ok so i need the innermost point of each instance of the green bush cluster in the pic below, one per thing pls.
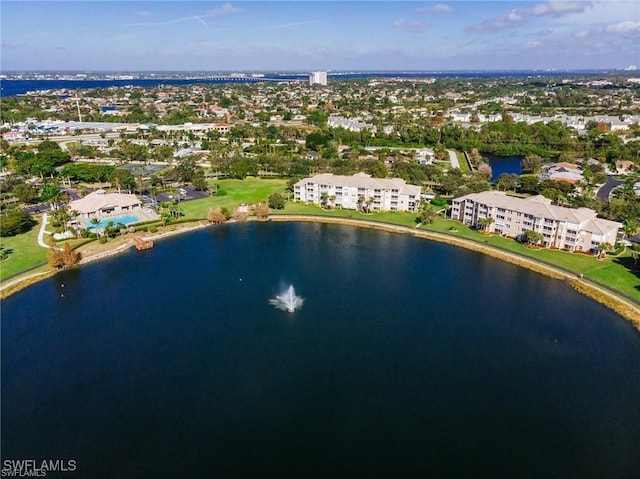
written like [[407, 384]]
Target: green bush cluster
[[15, 222]]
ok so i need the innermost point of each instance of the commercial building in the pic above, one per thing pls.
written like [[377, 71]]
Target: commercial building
[[359, 191], [318, 78], [573, 229]]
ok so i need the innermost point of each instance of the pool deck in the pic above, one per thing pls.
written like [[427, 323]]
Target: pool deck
[[142, 214]]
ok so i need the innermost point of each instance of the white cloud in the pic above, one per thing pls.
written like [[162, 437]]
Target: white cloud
[[557, 8], [288, 26], [226, 9], [414, 26], [626, 27], [549, 8], [437, 8], [143, 13]]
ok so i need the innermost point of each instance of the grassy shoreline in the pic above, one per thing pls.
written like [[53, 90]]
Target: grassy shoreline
[[625, 308], [616, 302]]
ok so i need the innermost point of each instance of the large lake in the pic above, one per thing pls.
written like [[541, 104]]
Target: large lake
[[409, 359]]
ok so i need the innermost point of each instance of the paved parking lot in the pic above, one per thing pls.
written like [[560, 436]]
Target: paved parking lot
[[190, 193]]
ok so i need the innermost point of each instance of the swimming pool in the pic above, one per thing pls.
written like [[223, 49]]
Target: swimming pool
[[125, 220]]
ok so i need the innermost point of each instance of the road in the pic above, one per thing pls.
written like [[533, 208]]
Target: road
[[605, 190], [454, 159]]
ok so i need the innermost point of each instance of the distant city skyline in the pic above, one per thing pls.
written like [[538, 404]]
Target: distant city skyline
[[319, 35]]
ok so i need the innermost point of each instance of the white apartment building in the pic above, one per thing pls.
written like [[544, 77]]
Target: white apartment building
[[358, 191], [573, 229], [351, 124], [318, 78]]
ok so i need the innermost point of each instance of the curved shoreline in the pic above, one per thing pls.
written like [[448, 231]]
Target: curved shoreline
[[621, 306]]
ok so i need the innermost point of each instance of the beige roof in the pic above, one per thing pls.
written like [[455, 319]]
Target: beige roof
[[99, 200], [362, 180], [567, 165], [541, 207]]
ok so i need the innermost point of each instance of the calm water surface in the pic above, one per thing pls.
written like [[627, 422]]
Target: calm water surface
[[408, 359], [504, 164]]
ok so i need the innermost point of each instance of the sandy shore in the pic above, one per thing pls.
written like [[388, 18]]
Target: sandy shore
[[623, 307]]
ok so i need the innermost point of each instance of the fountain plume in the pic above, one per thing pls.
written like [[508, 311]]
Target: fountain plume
[[287, 300]]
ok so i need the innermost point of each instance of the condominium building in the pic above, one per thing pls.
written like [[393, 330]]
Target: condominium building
[[318, 78], [351, 124], [573, 229], [359, 191]]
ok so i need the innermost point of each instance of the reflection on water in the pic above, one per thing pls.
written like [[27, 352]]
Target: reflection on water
[[412, 358]]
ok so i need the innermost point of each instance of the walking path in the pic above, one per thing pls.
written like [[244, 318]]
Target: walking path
[[42, 231], [454, 159]]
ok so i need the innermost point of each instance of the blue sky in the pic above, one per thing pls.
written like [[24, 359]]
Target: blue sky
[[312, 35]]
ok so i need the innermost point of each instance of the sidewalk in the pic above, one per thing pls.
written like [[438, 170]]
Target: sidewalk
[[42, 231], [454, 159]]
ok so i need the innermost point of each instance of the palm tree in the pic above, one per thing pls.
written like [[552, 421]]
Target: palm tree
[[324, 197], [427, 216], [532, 237], [110, 229], [629, 226], [369, 202], [603, 248], [635, 254], [483, 223]]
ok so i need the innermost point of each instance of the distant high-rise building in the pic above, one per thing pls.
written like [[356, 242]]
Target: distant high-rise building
[[318, 78]]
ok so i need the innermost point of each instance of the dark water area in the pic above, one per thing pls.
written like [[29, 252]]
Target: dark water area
[[20, 87], [408, 359], [503, 164]]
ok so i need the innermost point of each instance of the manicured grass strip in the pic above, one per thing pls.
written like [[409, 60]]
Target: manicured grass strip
[[464, 166], [396, 218], [249, 190], [24, 250]]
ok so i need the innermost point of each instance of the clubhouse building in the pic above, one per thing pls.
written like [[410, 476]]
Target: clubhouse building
[[572, 229], [359, 191], [100, 204]]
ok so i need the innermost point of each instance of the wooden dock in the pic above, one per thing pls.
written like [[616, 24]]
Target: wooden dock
[[140, 244]]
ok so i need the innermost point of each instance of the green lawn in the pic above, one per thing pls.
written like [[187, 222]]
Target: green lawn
[[403, 219], [615, 272], [249, 190], [464, 166], [25, 252]]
